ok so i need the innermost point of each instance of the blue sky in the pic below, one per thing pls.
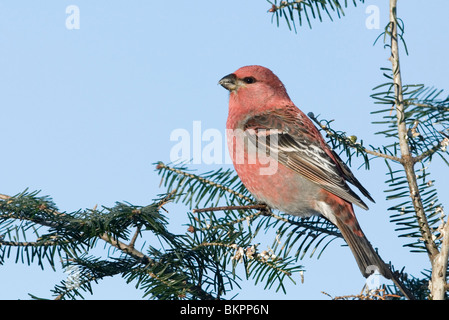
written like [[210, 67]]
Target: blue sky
[[86, 112]]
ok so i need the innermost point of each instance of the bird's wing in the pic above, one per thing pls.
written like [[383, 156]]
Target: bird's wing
[[349, 176], [296, 143]]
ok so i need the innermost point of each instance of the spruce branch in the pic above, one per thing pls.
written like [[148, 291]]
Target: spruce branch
[[187, 184], [439, 267], [406, 158], [350, 142], [249, 207], [301, 10], [75, 231]]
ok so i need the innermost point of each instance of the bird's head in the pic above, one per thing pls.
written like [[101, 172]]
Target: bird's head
[[254, 85]]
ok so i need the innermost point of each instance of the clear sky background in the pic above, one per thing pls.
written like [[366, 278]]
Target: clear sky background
[[85, 113]]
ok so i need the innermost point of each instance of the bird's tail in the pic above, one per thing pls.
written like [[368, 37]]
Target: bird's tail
[[367, 258]]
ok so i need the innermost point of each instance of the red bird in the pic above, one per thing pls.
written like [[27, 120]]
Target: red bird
[[296, 172]]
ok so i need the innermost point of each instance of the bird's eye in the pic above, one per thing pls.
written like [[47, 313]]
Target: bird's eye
[[249, 80]]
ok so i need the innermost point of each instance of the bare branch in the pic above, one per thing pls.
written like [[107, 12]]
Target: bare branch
[[134, 238]]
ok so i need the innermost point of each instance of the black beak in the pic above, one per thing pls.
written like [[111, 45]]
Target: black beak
[[229, 82]]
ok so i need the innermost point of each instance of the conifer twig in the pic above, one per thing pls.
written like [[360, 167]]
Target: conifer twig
[[248, 207]]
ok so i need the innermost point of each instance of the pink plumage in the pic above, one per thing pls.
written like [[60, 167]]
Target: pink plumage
[[283, 160]]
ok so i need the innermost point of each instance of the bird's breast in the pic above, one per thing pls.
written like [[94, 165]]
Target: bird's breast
[[268, 180]]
